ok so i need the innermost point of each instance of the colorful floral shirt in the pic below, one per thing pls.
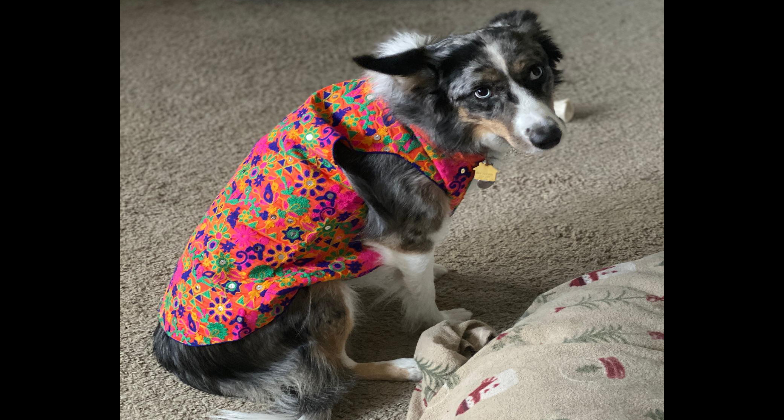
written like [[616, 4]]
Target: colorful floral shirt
[[289, 217]]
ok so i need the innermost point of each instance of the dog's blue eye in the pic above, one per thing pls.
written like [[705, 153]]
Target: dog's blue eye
[[537, 72], [482, 93]]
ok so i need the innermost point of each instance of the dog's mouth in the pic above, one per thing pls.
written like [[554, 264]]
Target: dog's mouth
[[526, 145], [533, 140]]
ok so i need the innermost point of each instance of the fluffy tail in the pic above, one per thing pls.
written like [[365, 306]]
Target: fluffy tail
[[236, 415]]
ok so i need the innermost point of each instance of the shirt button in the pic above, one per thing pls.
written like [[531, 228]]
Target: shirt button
[[377, 137]]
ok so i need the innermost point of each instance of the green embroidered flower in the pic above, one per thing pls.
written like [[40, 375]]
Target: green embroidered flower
[[287, 281], [293, 234], [310, 137], [222, 262], [351, 120], [217, 330], [298, 205], [186, 261], [182, 289], [219, 230], [243, 170], [245, 216], [363, 108], [269, 162], [232, 286], [337, 266]]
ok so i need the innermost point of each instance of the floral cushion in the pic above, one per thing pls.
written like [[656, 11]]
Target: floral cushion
[[589, 349]]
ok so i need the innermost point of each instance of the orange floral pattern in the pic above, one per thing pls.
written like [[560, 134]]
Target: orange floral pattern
[[289, 217]]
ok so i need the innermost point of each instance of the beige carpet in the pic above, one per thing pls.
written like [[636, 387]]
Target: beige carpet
[[201, 81]]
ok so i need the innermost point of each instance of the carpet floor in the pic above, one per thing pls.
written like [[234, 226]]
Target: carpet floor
[[201, 81]]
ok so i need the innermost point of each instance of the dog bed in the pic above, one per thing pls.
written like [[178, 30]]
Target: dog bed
[[591, 348]]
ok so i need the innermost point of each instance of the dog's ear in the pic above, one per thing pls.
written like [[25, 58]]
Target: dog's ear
[[553, 52], [518, 19], [527, 21], [405, 63]]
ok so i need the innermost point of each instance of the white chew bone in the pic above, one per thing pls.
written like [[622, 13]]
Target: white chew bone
[[564, 109]]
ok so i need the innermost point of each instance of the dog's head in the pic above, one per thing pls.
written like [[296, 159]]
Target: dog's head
[[480, 92]]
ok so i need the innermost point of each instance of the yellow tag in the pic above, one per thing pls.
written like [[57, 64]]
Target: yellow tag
[[485, 172]]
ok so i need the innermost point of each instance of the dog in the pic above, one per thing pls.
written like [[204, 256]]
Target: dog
[[262, 312]]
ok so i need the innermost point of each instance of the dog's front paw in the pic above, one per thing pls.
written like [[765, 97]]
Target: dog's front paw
[[439, 270], [457, 315], [410, 368]]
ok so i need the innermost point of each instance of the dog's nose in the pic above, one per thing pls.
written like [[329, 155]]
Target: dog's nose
[[546, 136]]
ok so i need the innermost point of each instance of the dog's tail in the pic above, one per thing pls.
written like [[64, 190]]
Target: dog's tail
[[235, 415]]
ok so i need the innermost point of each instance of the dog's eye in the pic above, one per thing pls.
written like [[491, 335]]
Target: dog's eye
[[482, 93], [537, 72]]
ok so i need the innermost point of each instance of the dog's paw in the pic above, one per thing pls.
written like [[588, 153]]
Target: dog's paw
[[457, 315], [410, 367], [439, 270]]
